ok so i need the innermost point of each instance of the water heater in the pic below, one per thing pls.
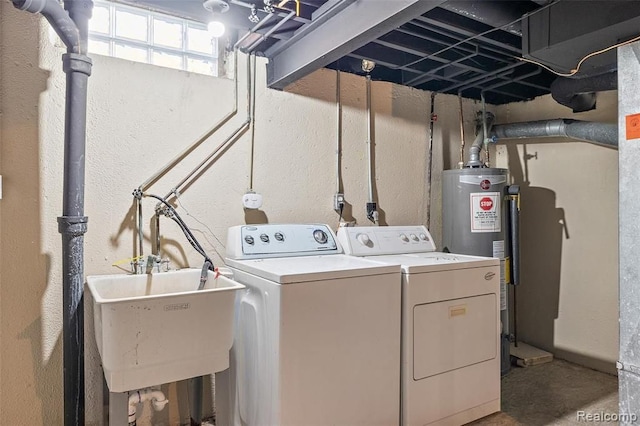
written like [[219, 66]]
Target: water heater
[[474, 222]]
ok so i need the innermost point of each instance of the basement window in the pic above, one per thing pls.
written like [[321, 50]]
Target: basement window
[[141, 35]]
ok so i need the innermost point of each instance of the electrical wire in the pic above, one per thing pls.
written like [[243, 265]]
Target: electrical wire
[[582, 61], [204, 234], [185, 229]]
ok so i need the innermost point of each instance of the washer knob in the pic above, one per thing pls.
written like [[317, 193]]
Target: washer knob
[[414, 237], [363, 238], [424, 237], [249, 240], [279, 236], [404, 238], [264, 238], [320, 236]]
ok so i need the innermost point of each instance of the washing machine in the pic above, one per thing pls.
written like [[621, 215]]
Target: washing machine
[[450, 370], [317, 333]]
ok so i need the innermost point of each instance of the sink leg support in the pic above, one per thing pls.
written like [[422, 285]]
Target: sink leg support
[[195, 400], [118, 409]]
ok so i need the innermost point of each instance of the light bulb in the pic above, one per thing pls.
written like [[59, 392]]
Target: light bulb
[[216, 29]]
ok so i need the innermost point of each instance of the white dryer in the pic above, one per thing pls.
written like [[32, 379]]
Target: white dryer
[[317, 332], [450, 324]]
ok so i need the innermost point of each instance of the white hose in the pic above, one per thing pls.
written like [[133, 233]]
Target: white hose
[[157, 398]]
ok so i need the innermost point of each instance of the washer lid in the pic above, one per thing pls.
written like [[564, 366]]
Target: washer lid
[[312, 268], [416, 263]]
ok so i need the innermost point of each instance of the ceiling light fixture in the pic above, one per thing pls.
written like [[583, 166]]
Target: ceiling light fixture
[[368, 66], [215, 27]]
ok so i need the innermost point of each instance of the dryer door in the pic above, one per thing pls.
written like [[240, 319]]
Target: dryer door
[[453, 334]]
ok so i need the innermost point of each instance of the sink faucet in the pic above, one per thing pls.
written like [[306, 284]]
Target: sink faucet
[[152, 261]]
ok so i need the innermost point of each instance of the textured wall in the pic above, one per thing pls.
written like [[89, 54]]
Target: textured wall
[[568, 300], [139, 117]]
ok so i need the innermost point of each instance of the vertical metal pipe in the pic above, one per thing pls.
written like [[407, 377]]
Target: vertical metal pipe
[[240, 130], [253, 119], [140, 231], [195, 400], [514, 234], [73, 224], [369, 142], [461, 164], [430, 149], [338, 133], [485, 132], [156, 249]]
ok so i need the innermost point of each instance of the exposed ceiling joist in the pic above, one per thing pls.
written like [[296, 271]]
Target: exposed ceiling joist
[[348, 30]]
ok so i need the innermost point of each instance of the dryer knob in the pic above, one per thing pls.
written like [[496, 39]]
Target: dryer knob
[[363, 238], [404, 238], [320, 236]]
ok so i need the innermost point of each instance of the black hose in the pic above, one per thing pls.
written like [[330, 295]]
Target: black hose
[[185, 229]]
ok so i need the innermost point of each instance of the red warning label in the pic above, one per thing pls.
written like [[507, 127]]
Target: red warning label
[[485, 212], [486, 204]]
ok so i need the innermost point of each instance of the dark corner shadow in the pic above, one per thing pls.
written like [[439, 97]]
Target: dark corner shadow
[[542, 231], [255, 217]]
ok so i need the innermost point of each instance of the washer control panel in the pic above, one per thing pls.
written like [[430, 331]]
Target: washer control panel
[[380, 240], [258, 241]]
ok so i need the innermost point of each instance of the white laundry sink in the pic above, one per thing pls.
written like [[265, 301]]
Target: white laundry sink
[[159, 328]]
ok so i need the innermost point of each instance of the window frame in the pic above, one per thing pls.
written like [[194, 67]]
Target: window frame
[[112, 39]]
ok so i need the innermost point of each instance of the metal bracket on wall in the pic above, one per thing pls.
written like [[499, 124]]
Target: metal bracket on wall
[[628, 368]]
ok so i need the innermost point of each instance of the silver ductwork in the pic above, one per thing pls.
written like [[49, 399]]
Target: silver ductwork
[[605, 134]]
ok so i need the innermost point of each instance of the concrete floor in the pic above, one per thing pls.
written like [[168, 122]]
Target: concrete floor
[[552, 394]]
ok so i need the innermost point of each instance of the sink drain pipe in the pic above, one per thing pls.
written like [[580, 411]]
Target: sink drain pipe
[[157, 398], [71, 24]]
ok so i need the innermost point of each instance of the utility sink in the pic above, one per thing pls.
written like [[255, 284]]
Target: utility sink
[[159, 328]]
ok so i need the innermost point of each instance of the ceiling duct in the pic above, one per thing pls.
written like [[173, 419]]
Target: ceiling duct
[[605, 134], [567, 31], [579, 94], [491, 12]]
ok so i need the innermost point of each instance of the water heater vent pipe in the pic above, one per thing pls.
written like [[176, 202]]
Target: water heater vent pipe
[[478, 143], [604, 134]]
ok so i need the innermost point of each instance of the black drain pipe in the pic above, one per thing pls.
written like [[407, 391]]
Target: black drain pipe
[[73, 30]]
